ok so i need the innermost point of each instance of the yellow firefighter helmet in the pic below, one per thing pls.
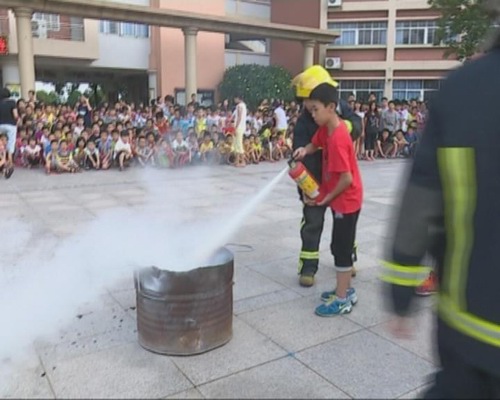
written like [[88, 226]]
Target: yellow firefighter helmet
[[313, 76]]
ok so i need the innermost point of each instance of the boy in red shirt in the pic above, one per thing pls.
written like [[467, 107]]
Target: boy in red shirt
[[341, 189]]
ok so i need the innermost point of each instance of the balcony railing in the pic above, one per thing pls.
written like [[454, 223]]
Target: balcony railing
[[74, 31]]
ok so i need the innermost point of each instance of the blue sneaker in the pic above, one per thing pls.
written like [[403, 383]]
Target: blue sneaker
[[329, 296], [334, 307]]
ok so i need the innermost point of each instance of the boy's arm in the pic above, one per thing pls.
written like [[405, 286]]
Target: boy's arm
[[301, 152]]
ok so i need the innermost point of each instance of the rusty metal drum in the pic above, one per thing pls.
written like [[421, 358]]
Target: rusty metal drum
[[186, 313]]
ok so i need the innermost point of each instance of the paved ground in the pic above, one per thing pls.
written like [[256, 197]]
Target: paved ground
[[280, 349]]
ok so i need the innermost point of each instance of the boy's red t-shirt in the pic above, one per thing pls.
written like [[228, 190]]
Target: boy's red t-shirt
[[338, 157]]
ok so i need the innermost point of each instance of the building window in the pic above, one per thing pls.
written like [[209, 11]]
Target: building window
[[51, 20], [361, 89], [360, 33], [416, 32], [415, 89], [129, 29]]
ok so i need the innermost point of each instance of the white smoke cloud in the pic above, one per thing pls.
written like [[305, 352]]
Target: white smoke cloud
[[42, 286]]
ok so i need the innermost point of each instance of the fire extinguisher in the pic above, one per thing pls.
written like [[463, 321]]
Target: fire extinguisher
[[304, 179]]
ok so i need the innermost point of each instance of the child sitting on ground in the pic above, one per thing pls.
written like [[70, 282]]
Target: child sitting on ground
[[257, 145], [194, 147], [181, 151], [122, 153], [32, 154], [65, 162], [226, 150], [79, 153], [144, 153], [105, 152], [93, 159], [5, 170], [51, 157], [402, 145], [206, 148], [249, 151], [165, 156]]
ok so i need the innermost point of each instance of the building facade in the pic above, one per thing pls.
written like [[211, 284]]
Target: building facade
[[150, 59], [384, 46]]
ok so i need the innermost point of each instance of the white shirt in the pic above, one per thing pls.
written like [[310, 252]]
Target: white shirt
[[241, 108], [32, 151], [121, 146], [281, 123]]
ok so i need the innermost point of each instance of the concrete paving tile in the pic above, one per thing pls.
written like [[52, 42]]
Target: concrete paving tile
[[262, 254], [372, 247], [246, 349], [417, 393], [125, 298], [53, 355], [187, 394], [102, 204], [248, 283], [100, 320], [281, 379], [285, 272], [23, 384], [126, 371], [294, 326], [359, 364], [423, 342], [264, 301], [371, 308]]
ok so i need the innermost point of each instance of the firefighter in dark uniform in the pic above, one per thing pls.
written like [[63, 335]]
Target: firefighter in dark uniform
[[305, 128], [451, 210]]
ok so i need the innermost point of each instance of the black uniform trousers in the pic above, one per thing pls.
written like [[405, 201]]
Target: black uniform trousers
[[313, 219], [457, 379]]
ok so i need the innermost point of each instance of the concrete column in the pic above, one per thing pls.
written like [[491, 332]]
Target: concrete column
[[10, 73], [152, 85], [25, 49], [309, 53], [388, 83], [190, 61], [391, 48]]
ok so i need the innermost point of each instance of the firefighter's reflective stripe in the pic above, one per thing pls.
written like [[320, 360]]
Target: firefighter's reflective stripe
[[458, 175], [468, 324], [404, 275], [457, 167], [309, 255]]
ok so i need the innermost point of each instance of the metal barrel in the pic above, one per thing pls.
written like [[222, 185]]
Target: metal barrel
[[186, 313]]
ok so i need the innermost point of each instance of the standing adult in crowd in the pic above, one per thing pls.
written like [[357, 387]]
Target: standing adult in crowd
[[85, 111], [453, 190], [8, 124], [240, 118]]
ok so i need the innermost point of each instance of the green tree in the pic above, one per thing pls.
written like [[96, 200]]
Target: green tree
[[73, 97], [47, 98], [255, 83], [463, 26]]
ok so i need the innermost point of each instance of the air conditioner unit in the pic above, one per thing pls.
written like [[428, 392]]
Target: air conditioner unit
[[333, 63], [41, 29], [334, 3]]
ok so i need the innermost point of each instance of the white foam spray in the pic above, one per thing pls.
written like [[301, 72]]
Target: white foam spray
[[226, 231], [42, 288]]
